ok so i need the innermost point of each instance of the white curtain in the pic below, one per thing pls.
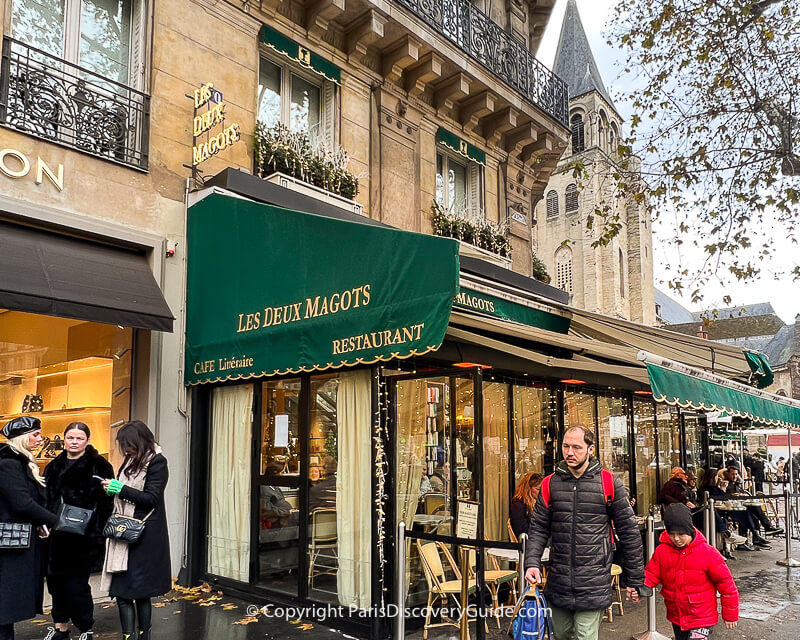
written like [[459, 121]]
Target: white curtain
[[229, 501], [354, 489]]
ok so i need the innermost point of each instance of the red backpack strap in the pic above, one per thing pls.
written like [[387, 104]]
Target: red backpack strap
[[607, 478], [545, 490]]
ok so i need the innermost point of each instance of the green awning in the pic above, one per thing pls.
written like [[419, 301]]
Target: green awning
[[273, 291], [462, 147], [507, 310], [693, 392], [297, 53], [759, 365]]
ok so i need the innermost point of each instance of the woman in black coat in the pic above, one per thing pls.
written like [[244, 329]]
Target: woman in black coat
[[73, 557], [142, 570], [22, 500]]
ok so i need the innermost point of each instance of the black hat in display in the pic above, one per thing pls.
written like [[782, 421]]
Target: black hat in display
[[678, 519], [20, 426]]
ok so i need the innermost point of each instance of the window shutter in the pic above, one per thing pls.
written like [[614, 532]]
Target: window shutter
[[138, 31], [552, 204], [475, 191], [571, 198], [329, 114]]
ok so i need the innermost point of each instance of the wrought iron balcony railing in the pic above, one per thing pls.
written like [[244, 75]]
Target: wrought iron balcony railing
[[481, 38], [58, 101]]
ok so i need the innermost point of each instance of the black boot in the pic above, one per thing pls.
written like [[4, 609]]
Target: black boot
[[144, 635], [758, 541]]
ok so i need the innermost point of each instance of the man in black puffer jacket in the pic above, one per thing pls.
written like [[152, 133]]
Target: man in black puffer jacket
[[578, 522]]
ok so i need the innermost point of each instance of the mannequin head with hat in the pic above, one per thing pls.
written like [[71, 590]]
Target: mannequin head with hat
[[24, 434]]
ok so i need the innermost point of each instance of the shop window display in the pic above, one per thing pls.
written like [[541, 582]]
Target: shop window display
[[61, 371]]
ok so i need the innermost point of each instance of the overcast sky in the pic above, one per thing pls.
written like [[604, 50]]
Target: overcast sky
[[782, 292]]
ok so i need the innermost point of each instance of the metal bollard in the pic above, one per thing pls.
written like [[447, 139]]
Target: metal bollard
[[464, 626], [523, 540], [788, 561], [400, 586], [707, 517], [712, 525], [651, 633]]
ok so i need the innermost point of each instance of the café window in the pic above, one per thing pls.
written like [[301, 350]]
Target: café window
[[298, 101], [459, 183], [62, 371], [102, 36]]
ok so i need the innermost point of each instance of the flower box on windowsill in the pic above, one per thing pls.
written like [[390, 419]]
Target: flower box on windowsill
[[313, 191], [470, 250]]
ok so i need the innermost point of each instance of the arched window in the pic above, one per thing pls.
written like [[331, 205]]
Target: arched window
[[571, 198], [564, 269], [552, 204], [576, 124], [613, 139]]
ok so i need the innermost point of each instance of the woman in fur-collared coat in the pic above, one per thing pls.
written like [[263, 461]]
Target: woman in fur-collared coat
[[72, 557], [22, 502]]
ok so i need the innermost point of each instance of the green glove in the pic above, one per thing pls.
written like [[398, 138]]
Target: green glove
[[114, 487]]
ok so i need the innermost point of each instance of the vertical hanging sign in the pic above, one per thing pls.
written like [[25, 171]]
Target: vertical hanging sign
[[209, 133]]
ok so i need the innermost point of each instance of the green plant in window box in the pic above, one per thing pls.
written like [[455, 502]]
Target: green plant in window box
[[463, 225], [294, 153], [538, 269]]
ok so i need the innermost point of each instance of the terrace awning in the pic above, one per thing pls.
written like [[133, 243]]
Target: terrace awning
[[690, 388]]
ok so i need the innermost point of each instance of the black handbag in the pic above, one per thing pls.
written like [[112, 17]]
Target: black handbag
[[72, 519], [125, 528], [15, 535]]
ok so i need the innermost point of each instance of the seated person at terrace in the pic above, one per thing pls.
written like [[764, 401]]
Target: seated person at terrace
[[749, 518]]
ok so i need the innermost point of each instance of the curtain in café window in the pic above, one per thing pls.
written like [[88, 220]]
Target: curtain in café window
[[495, 461], [353, 489], [229, 501]]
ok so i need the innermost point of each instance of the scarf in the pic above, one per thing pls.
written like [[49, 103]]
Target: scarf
[[117, 550]]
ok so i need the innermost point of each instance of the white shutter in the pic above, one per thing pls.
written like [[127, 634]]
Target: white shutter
[[474, 189], [329, 114], [138, 45]]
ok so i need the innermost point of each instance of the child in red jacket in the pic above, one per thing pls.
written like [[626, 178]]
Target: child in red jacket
[[691, 572]]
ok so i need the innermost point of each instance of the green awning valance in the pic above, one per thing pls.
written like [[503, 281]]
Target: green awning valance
[[462, 147], [507, 310], [273, 291], [292, 50], [693, 392], [759, 365]]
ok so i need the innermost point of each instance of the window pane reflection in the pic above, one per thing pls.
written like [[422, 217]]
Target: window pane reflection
[[269, 93], [646, 467], [304, 114], [40, 24], [495, 460], [105, 37], [612, 446], [579, 409], [280, 441], [533, 444], [457, 184], [669, 441]]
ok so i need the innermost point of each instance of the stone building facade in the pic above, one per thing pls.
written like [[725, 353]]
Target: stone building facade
[[616, 279], [104, 97]]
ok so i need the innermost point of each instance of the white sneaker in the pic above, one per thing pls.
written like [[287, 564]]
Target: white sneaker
[[737, 539]]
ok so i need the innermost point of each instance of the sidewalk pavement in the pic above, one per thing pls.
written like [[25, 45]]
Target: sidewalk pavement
[[770, 608]]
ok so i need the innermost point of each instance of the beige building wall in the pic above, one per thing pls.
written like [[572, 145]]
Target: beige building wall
[[386, 121]]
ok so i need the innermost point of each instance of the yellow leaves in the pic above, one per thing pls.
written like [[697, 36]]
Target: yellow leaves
[[229, 606], [159, 604], [247, 620], [306, 627]]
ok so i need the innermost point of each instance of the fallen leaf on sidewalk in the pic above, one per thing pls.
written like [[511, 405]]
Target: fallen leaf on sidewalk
[[205, 587], [229, 606], [176, 612], [159, 604], [306, 627], [247, 620]]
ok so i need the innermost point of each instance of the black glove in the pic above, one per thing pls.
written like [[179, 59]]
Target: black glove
[[644, 590]]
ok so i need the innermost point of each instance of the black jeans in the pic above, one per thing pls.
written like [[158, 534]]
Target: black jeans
[[692, 634], [7, 631], [72, 600]]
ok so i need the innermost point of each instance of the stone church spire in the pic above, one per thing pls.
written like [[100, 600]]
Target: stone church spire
[[575, 63]]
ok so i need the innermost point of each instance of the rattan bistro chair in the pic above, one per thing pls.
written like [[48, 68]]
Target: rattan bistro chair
[[616, 572], [493, 578], [439, 588], [323, 543]]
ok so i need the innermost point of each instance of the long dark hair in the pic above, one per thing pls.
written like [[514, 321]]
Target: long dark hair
[[137, 436]]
